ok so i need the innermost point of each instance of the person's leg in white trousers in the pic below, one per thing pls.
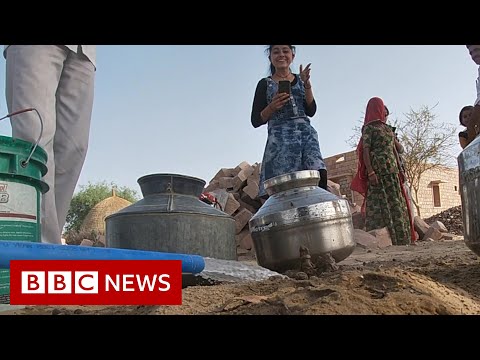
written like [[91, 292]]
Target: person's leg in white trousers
[[60, 85]]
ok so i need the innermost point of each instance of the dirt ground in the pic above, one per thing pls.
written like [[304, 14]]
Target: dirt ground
[[441, 277]]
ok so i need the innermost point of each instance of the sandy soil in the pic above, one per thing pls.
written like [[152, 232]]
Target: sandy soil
[[440, 277]]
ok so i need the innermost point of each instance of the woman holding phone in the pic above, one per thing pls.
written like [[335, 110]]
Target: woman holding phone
[[285, 102]]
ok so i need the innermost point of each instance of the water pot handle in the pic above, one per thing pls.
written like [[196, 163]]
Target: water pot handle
[[25, 162]]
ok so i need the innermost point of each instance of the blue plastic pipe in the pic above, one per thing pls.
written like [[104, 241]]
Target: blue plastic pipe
[[23, 250]]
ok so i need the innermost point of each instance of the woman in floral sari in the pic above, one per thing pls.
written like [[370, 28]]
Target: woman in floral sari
[[378, 177]]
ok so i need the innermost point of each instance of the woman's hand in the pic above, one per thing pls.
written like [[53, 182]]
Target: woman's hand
[[373, 179], [279, 101], [305, 75]]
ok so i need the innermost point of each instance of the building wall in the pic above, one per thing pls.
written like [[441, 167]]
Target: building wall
[[342, 168], [447, 181]]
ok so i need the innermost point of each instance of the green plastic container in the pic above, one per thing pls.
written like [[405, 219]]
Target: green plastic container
[[21, 189]]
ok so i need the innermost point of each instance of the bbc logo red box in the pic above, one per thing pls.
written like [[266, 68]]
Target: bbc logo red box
[[95, 282]]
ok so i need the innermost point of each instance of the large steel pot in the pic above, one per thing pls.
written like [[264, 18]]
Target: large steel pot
[[469, 179], [300, 213], [172, 219]]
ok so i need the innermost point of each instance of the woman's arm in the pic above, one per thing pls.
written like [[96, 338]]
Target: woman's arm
[[463, 139], [311, 109], [310, 103], [260, 110], [309, 93], [366, 159], [372, 176], [398, 146]]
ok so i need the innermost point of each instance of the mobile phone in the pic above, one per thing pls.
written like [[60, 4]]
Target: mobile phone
[[284, 86]]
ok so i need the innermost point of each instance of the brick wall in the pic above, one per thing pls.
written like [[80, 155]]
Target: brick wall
[[342, 169]]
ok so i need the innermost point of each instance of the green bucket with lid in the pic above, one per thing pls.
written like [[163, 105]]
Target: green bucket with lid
[[22, 167]]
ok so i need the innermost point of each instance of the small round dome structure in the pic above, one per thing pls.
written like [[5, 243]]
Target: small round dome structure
[[95, 220]]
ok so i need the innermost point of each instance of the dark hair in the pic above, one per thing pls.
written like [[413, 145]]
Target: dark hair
[[465, 108], [269, 53]]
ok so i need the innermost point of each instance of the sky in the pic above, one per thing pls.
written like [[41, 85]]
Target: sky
[[185, 109]]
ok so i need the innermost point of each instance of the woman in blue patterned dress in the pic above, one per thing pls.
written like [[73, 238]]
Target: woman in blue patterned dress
[[292, 143]]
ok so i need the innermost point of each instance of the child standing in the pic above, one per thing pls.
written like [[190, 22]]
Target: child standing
[[464, 117]]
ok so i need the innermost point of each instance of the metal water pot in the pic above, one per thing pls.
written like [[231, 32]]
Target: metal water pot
[[469, 179], [300, 213], [171, 218]]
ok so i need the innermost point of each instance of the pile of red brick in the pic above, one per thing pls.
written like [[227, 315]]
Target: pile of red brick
[[236, 190]]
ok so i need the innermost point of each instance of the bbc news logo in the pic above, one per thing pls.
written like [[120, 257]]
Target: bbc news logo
[[95, 282]]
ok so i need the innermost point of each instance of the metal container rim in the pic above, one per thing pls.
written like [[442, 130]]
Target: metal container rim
[[17, 143], [146, 177], [293, 176]]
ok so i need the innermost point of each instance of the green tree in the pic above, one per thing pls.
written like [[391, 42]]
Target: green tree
[[90, 195], [427, 144]]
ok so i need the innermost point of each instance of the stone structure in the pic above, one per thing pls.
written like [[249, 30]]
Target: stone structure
[[95, 220]]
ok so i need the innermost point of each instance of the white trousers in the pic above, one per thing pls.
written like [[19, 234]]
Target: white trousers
[[60, 85]]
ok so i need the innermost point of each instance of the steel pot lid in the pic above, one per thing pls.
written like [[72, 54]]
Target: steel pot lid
[[292, 180], [169, 194]]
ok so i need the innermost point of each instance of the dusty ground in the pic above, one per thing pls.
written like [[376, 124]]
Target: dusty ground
[[440, 277]]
